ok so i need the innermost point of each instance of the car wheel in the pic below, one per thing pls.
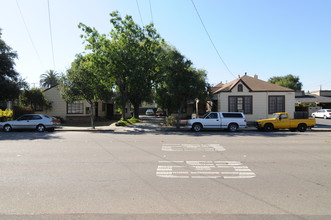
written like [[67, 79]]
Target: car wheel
[[325, 117], [268, 127], [314, 116], [302, 127], [197, 127], [233, 127], [7, 128], [41, 128]]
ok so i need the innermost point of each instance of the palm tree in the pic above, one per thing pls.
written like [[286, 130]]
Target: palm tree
[[49, 79]]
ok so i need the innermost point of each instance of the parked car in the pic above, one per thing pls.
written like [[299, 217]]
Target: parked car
[[218, 120], [150, 112], [322, 113], [160, 112], [281, 120], [31, 121]]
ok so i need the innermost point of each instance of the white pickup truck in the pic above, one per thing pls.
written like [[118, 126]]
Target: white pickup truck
[[218, 120]]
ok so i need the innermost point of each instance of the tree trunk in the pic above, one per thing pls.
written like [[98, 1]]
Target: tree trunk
[[123, 109], [179, 116], [92, 114], [136, 110]]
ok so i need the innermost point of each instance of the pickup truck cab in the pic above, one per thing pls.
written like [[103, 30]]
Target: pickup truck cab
[[281, 120], [218, 120]]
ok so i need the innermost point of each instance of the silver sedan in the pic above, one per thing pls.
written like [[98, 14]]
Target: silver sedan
[[31, 121]]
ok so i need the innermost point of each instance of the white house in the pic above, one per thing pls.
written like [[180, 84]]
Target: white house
[[79, 110], [256, 98]]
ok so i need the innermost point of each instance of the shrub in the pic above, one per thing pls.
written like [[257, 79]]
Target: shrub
[[171, 120], [127, 122]]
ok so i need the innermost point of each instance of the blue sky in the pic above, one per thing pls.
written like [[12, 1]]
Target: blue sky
[[263, 37]]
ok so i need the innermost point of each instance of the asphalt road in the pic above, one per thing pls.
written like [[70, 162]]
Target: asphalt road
[[165, 175]]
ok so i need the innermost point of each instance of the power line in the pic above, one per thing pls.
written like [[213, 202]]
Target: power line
[[51, 34], [219, 55], [27, 30], [141, 18], [150, 8]]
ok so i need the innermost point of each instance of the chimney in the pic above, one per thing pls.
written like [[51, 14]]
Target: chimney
[[256, 76], [245, 73]]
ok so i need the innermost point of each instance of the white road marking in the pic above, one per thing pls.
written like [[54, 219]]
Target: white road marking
[[192, 147], [203, 169]]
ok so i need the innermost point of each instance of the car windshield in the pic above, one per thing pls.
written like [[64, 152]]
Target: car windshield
[[205, 115], [275, 116]]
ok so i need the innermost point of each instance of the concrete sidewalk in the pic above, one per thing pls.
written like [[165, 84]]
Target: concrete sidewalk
[[156, 124]]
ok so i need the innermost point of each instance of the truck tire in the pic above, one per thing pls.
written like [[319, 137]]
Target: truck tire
[[302, 127], [196, 127], [7, 128], [233, 127], [268, 127]]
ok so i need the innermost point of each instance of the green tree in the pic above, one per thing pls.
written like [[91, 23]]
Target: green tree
[[49, 79], [128, 57], [35, 99], [10, 82], [83, 82], [179, 82], [288, 81]]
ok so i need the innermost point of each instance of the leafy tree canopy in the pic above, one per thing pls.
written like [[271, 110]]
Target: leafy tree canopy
[[179, 82], [83, 82], [288, 81], [35, 99], [10, 81], [128, 57]]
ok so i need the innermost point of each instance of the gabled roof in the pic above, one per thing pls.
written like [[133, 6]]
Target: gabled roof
[[216, 87], [50, 88], [254, 85]]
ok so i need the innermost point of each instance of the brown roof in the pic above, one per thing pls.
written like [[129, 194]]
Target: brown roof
[[216, 87], [254, 85]]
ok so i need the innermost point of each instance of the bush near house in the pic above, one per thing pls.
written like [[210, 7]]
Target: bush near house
[[127, 122], [18, 111]]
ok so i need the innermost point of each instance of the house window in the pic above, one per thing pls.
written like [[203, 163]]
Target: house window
[[276, 104], [241, 104], [75, 108], [240, 88]]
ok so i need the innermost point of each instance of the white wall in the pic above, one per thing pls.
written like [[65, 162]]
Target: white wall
[[260, 102]]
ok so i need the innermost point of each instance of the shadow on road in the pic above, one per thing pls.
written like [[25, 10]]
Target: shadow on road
[[27, 135]]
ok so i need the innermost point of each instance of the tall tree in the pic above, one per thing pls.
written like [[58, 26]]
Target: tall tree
[[10, 82], [288, 81], [129, 57], [83, 82], [35, 99], [49, 79], [180, 82]]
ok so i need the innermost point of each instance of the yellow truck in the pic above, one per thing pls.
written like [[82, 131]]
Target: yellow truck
[[281, 120]]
